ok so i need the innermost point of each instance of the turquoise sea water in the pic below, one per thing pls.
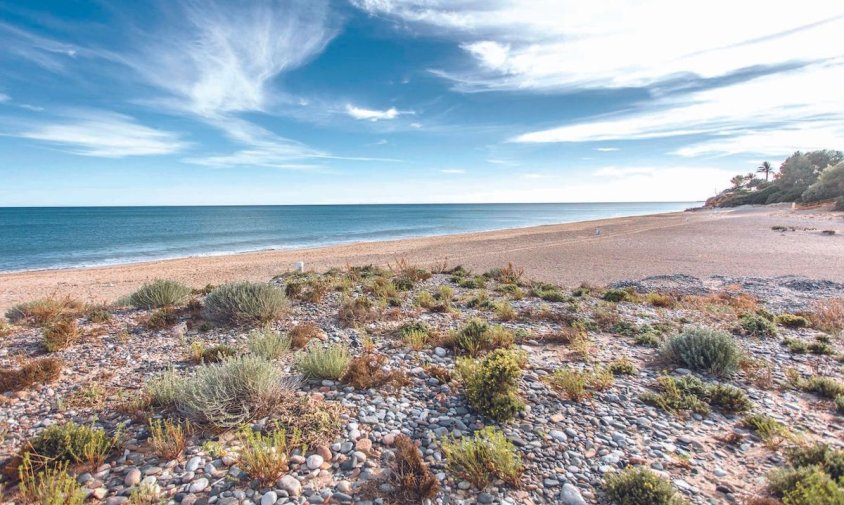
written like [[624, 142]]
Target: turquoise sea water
[[43, 238]]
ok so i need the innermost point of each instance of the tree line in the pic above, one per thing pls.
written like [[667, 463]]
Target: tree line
[[803, 177]]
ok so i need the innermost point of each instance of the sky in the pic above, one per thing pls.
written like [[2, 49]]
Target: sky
[[202, 102]]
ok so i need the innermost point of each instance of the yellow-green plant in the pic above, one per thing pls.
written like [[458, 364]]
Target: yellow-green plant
[[483, 457], [265, 457]]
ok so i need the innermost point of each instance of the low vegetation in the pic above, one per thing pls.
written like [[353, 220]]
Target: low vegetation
[[757, 325], [410, 478], [245, 302], [703, 349], [491, 384], [265, 457], [45, 311], [268, 343], [168, 438], [477, 336], [640, 486], [72, 443], [318, 362], [688, 393], [767, 428], [485, 456], [368, 371], [49, 486], [223, 395], [37, 371], [160, 293], [578, 385]]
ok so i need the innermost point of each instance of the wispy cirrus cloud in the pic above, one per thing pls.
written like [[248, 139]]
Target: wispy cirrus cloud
[[799, 109], [453, 171], [373, 114], [4, 97], [102, 134], [554, 44]]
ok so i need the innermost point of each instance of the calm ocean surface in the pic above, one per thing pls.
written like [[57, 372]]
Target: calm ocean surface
[[40, 238]]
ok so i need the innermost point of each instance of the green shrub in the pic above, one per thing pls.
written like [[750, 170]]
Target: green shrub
[[650, 338], [825, 387], [226, 394], [245, 302], [822, 455], [766, 427], [839, 204], [356, 311], [808, 485], [792, 321], [839, 404], [323, 362], [675, 395], [264, 457], [483, 457], [268, 343], [728, 398], [640, 486], [795, 346], [73, 443], [756, 325], [617, 295], [476, 335], [548, 292], [96, 314], [577, 385], [52, 486], [476, 282], [213, 354], [622, 366], [704, 349], [160, 293], [491, 385]]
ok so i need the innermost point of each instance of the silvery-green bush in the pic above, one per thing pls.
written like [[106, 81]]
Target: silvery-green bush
[[224, 394], [244, 302], [160, 293], [704, 349], [268, 343]]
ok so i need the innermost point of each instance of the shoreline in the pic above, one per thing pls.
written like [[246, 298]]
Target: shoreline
[[702, 243]]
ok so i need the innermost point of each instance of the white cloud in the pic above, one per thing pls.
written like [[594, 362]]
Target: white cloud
[[372, 114], [799, 109], [553, 44], [4, 97], [607, 149], [104, 134], [453, 171]]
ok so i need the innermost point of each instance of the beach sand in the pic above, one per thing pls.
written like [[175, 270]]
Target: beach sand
[[734, 242]]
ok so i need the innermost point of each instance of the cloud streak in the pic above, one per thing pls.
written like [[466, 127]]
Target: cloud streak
[[104, 135], [373, 114]]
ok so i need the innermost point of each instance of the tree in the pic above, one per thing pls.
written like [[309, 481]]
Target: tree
[[765, 168], [738, 181], [830, 184]]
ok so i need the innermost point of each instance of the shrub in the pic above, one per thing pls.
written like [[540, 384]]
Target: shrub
[[484, 456], [825, 387], [161, 319], [839, 404], [829, 459], [808, 485], [367, 371], [618, 295], [821, 348], [579, 384], [728, 398], [795, 346], [675, 395], [415, 338], [323, 362], [265, 457], [357, 310], [52, 486], [504, 310], [45, 311], [476, 335], [548, 292], [245, 302], [168, 439], [510, 274], [839, 204], [648, 338], [213, 354], [303, 333], [60, 335], [640, 486], [476, 282], [73, 443], [704, 349], [160, 293], [660, 300], [411, 479], [766, 427], [828, 315], [98, 314], [38, 371], [225, 394], [622, 366], [268, 343], [756, 325], [491, 385], [792, 321]]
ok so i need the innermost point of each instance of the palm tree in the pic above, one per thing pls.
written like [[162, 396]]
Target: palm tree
[[765, 168]]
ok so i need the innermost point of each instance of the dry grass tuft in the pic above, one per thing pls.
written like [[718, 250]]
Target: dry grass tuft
[[303, 333], [367, 371], [411, 478], [61, 335], [356, 311], [265, 457], [168, 439], [828, 315], [45, 311], [37, 371]]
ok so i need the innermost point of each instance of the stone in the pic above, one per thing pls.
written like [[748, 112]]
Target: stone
[[269, 498], [133, 477], [570, 495], [314, 461], [290, 484], [198, 485]]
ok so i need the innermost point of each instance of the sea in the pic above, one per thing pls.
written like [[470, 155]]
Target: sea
[[35, 238]]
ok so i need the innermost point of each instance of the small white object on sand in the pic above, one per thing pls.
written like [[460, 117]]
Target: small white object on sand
[[597, 231], [300, 266]]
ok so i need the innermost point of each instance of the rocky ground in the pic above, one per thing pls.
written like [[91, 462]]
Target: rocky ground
[[567, 447]]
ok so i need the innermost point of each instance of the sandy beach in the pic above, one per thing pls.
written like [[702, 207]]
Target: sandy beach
[[735, 242]]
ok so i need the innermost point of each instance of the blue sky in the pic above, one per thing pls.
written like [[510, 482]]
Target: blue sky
[[185, 102]]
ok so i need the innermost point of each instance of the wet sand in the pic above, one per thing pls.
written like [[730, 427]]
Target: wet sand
[[735, 242]]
